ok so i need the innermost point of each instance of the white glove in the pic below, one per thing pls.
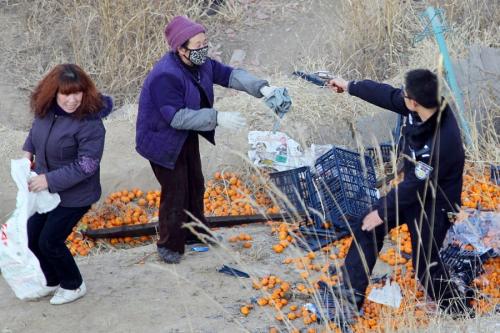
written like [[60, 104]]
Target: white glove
[[231, 120], [267, 91]]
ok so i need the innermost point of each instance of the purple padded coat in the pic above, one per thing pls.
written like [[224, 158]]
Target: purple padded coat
[[68, 151], [156, 140]]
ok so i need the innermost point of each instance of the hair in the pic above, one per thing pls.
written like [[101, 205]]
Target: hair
[[66, 79], [422, 86], [185, 44]]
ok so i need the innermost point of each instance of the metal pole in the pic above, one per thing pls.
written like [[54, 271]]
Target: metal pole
[[437, 27]]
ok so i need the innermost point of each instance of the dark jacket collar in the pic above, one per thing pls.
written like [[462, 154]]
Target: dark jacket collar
[[59, 111], [104, 112], [193, 71], [420, 133], [107, 107]]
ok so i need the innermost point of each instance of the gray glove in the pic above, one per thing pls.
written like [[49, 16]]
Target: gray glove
[[241, 80], [277, 99]]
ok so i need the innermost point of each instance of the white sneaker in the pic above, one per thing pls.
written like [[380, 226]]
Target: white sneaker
[[45, 291], [63, 296]]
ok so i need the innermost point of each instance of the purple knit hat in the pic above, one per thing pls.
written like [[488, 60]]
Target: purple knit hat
[[179, 30]]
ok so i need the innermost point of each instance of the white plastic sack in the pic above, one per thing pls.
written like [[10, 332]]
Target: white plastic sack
[[390, 294], [18, 264]]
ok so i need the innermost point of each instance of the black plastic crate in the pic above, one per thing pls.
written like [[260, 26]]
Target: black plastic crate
[[296, 185], [346, 183], [314, 238], [385, 150], [463, 264]]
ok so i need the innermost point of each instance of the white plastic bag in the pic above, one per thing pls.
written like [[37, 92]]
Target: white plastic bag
[[18, 264], [389, 294]]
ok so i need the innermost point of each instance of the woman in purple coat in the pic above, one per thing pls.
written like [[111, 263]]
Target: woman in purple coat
[[66, 143], [175, 106]]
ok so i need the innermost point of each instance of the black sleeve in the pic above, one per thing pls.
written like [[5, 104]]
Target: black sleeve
[[404, 196], [379, 94]]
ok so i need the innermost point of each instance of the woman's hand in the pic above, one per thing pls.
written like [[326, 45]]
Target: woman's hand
[[338, 85], [28, 155], [38, 183]]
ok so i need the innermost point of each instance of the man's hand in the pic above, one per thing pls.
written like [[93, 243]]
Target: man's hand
[[371, 221], [38, 183], [338, 85]]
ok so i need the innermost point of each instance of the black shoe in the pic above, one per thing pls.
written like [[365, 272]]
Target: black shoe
[[458, 309], [169, 256], [467, 313], [459, 306]]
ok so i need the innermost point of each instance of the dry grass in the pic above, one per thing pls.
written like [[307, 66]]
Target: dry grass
[[117, 42]]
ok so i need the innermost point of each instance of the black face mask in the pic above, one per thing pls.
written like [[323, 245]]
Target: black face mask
[[198, 56]]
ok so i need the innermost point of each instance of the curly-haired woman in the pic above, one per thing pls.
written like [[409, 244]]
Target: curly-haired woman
[[66, 143]]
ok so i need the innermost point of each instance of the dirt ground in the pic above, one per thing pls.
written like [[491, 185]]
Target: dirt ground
[[131, 291]]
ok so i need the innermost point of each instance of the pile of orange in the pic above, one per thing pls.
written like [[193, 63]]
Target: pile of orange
[[284, 231], [401, 237], [126, 207], [378, 317], [338, 250], [479, 192], [79, 245], [277, 294], [314, 267], [489, 286], [393, 257], [282, 296], [227, 194]]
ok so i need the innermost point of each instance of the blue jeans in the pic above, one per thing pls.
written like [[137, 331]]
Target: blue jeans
[[47, 234]]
